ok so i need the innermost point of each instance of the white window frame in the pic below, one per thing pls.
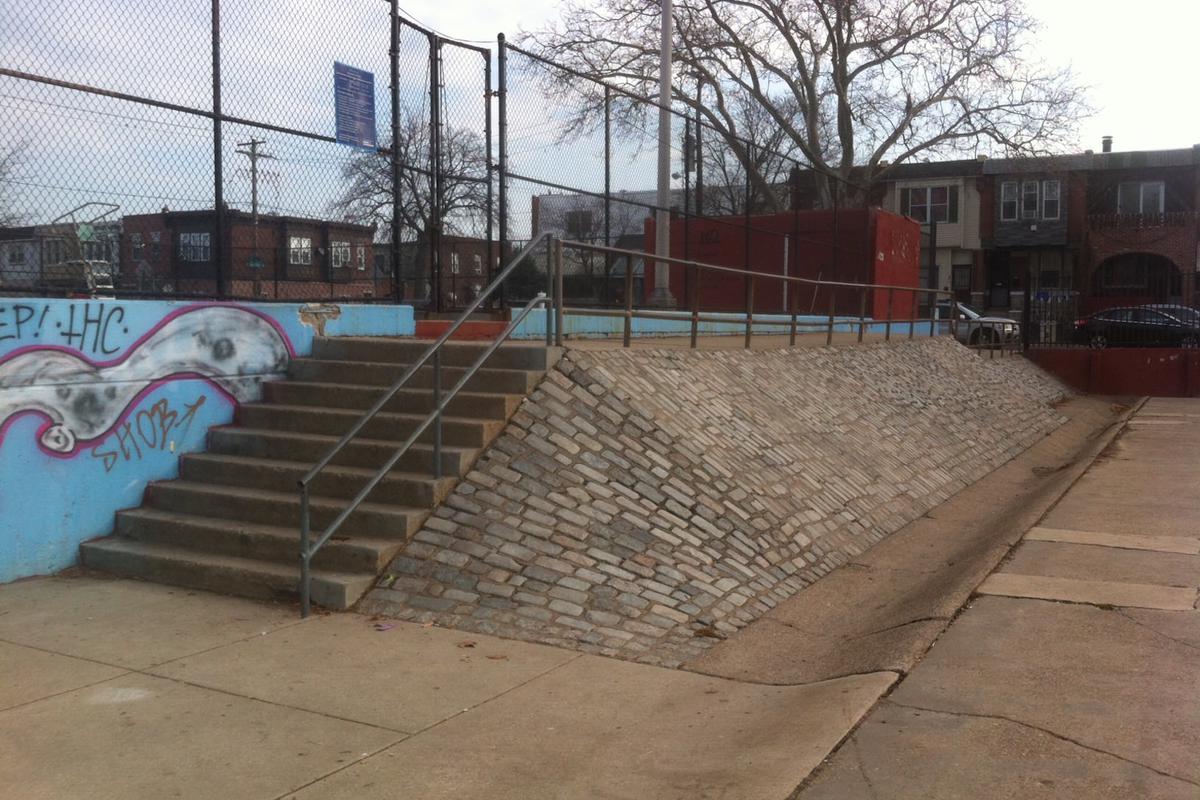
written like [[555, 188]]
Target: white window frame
[[1162, 196], [477, 263], [1056, 199], [1027, 212], [339, 255], [15, 254], [195, 247], [454, 262], [300, 250], [362, 258], [1015, 188]]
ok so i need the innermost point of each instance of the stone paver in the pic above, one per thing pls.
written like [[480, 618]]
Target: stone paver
[[602, 728], [1187, 545], [1075, 696], [292, 708], [1075, 590], [644, 503]]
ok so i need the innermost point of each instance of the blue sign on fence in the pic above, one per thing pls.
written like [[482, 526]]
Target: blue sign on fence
[[354, 105]]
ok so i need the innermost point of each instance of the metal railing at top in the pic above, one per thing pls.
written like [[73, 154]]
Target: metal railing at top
[[309, 548], [752, 278]]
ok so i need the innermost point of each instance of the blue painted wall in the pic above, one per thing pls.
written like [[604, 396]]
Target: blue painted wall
[[97, 398]]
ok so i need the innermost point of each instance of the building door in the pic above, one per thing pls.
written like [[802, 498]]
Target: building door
[[999, 278]]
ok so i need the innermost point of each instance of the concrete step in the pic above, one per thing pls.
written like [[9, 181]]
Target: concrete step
[[308, 447], [248, 540], [511, 355], [398, 488], [476, 405], [503, 381], [282, 508], [335, 422], [220, 573]]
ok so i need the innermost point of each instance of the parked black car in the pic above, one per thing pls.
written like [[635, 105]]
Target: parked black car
[[1140, 326]]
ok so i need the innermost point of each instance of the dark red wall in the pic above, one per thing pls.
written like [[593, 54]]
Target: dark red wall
[[873, 246], [1157, 372]]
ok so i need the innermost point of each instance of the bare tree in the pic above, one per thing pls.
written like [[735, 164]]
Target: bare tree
[[855, 85], [461, 207], [9, 161]]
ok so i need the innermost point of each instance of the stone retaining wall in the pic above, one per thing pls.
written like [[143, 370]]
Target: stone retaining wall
[[645, 503]]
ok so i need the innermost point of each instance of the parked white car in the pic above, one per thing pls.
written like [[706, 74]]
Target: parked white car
[[977, 329]]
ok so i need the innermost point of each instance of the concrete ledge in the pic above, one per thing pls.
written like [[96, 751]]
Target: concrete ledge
[[1096, 593]]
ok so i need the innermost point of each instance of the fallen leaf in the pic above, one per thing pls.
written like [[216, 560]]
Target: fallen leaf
[[466, 643]]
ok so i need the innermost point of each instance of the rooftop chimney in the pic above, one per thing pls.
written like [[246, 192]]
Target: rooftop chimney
[[1106, 144]]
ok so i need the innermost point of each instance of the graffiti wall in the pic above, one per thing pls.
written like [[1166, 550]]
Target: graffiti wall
[[97, 398]]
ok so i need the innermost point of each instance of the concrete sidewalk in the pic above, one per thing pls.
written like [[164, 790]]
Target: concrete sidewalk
[[1076, 672], [125, 690]]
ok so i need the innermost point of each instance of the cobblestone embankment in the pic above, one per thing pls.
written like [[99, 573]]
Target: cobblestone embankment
[[643, 504]]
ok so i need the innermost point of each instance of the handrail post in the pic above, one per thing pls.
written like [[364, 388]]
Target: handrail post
[[932, 313], [305, 555], [549, 289], [912, 321], [829, 330], [628, 331], [558, 293], [794, 302], [954, 318], [887, 331], [695, 304], [437, 407], [749, 310], [862, 313]]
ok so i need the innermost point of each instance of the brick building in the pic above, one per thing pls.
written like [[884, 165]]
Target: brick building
[[279, 257]]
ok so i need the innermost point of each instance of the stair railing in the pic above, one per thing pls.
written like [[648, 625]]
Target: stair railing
[[308, 547]]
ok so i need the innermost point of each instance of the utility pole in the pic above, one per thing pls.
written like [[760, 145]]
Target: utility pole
[[662, 223], [254, 155]]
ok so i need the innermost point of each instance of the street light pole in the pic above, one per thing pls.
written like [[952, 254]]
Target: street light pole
[[662, 224]]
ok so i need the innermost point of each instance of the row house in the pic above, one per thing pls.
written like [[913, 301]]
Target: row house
[[1110, 227], [284, 257]]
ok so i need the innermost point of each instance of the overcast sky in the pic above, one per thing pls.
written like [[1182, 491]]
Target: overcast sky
[[1139, 59]]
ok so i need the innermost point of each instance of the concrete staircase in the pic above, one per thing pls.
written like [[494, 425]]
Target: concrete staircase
[[231, 522]]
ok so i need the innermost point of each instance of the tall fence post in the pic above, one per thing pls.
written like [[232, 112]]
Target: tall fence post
[[607, 189], [627, 333], [435, 169], [305, 553], [218, 245], [694, 303], [912, 321], [794, 303], [549, 289], [502, 148], [492, 266], [394, 250]]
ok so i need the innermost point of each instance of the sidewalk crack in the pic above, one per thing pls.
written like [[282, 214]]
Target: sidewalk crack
[[1048, 732], [897, 625], [1155, 630]]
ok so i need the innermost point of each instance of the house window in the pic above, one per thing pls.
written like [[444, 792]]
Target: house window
[[339, 255], [362, 258], [195, 247], [137, 245], [1050, 199], [454, 263], [16, 254], [1141, 197], [1029, 200], [1008, 200], [52, 251], [930, 203], [477, 263], [299, 250], [578, 223]]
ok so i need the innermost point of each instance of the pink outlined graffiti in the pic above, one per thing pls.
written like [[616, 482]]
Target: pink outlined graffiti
[[232, 348]]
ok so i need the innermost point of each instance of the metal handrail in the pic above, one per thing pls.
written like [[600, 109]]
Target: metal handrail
[[629, 312], [309, 549]]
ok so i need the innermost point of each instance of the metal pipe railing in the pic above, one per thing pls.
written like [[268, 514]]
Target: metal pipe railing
[[308, 549], [694, 316]]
